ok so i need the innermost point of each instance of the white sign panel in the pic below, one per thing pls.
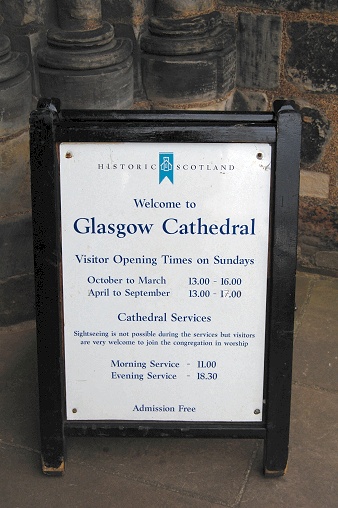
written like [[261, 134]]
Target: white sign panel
[[164, 261]]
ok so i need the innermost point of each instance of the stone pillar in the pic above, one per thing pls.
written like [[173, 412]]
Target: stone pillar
[[189, 54], [84, 64], [16, 267]]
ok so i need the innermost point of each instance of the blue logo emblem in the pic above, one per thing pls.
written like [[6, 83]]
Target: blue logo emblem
[[166, 165]]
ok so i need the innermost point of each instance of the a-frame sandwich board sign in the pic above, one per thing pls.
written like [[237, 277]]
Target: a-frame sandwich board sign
[[165, 257]]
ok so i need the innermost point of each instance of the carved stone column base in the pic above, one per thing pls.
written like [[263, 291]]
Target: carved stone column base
[[15, 89], [87, 69], [15, 106], [190, 60], [16, 267]]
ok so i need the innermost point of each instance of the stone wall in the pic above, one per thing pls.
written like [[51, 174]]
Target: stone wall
[[289, 49], [167, 54]]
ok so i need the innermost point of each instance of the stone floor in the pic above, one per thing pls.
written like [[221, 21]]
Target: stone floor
[[175, 473]]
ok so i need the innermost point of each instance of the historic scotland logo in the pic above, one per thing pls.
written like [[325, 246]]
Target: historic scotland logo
[[166, 166]]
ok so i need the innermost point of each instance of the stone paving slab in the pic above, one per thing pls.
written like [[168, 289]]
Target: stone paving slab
[[84, 486], [211, 470], [311, 479], [181, 473], [316, 339]]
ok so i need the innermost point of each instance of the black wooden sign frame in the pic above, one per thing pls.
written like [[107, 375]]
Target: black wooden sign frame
[[51, 126]]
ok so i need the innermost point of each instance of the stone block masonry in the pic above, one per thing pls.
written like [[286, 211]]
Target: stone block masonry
[[259, 48], [286, 5], [17, 301], [313, 56], [288, 50]]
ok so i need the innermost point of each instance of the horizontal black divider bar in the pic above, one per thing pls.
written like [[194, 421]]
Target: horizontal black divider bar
[[166, 116], [88, 132], [165, 429]]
